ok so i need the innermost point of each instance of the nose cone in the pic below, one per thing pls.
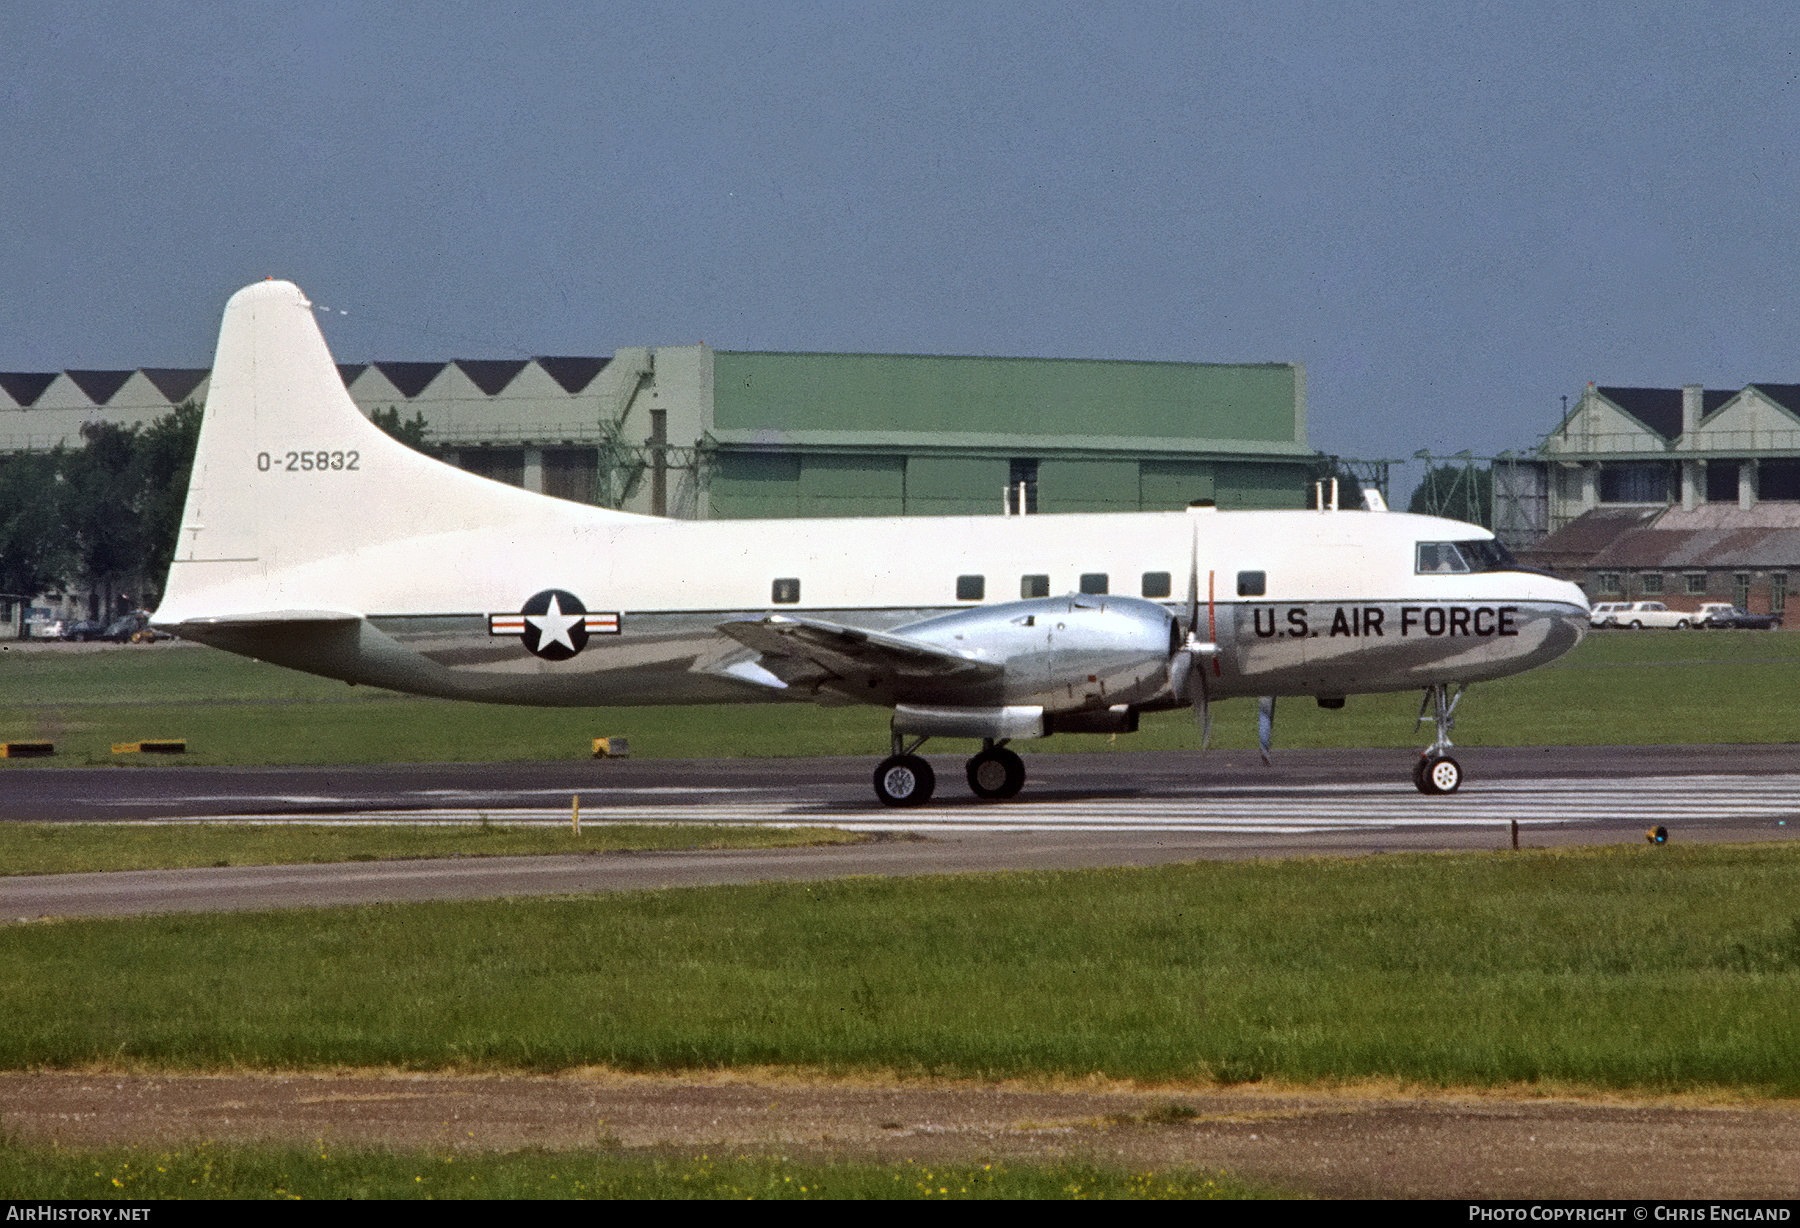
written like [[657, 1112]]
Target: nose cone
[[1566, 607]]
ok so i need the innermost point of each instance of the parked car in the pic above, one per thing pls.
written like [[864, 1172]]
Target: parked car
[[132, 628], [1604, 614], [86, 629], [44, 628], [1652, 614], [1718, 614]]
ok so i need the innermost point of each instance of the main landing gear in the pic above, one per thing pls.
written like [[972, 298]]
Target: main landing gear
[[1436, 772], [996, 773], [904, 779]]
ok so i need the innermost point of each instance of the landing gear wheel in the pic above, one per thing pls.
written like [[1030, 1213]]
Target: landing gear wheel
[[1435, 774], [904, 780], [996, 774]]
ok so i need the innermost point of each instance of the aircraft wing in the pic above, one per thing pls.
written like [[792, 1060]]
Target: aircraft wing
[[842, 651]]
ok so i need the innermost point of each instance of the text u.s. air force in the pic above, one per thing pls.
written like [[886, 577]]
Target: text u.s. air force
[[1384, 621]]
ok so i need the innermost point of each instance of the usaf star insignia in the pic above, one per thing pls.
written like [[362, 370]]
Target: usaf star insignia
[[554, 625]]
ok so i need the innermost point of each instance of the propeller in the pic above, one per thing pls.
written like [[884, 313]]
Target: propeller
[[1191, 649]]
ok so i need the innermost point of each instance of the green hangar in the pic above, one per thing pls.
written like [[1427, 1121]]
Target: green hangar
[[885, 435], [697, 433]]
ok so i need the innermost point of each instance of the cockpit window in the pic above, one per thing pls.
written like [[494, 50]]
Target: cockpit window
[[1440, 557], [1444, 558], [1488, 555]]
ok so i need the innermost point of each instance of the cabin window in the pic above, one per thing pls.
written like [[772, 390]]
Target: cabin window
[[1093, 582], [1696, 583], [971, 588], [1610, 582], [1650, 582], [1156, 584], [1034, 586], [1252, 583], [785, 592]]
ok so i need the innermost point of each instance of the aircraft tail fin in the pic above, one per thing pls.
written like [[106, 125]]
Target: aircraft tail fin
[[290, 478]]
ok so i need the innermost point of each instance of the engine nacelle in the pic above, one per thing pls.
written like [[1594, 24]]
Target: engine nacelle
[[1064, 654]]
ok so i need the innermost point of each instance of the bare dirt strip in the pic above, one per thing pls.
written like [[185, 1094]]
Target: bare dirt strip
[[1353, 1143]]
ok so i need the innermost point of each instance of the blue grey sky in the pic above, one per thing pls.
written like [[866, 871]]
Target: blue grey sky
[[1453, 215]]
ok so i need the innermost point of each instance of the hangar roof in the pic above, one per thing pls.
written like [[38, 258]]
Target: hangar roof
[[1649, 539]]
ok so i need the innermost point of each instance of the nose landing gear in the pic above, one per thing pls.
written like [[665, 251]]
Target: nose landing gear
[[1436, 772]]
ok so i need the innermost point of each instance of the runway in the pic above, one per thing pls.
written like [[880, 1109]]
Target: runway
[[1126, 808], [1282, 810]]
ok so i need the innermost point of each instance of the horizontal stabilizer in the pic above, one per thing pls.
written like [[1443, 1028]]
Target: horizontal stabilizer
[[849, 650], [267, 618]]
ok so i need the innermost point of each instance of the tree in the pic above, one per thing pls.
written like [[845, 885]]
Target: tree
[[36, 552], [123, 495], [161, 465], [1458, 492], [411, 431], [106, 514], [101, 509]]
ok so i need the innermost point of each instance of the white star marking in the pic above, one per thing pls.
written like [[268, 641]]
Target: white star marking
[[553, 626]]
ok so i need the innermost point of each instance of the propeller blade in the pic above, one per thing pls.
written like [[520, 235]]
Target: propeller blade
[[1193, 609], [1181, 668], [1265, 724], [1190, 650]]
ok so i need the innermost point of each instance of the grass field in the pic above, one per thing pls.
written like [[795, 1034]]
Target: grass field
[[218, 1171], [1636, 968], [75, 848], [1616, 687]]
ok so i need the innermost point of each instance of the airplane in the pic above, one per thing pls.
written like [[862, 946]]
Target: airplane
[[312, 540]]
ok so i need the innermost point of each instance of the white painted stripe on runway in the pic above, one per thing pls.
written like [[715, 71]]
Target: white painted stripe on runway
[[493, 796], [1261, 810]]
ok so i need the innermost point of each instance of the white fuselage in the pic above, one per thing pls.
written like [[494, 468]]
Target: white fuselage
[[1341, 610], [313, 540]]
